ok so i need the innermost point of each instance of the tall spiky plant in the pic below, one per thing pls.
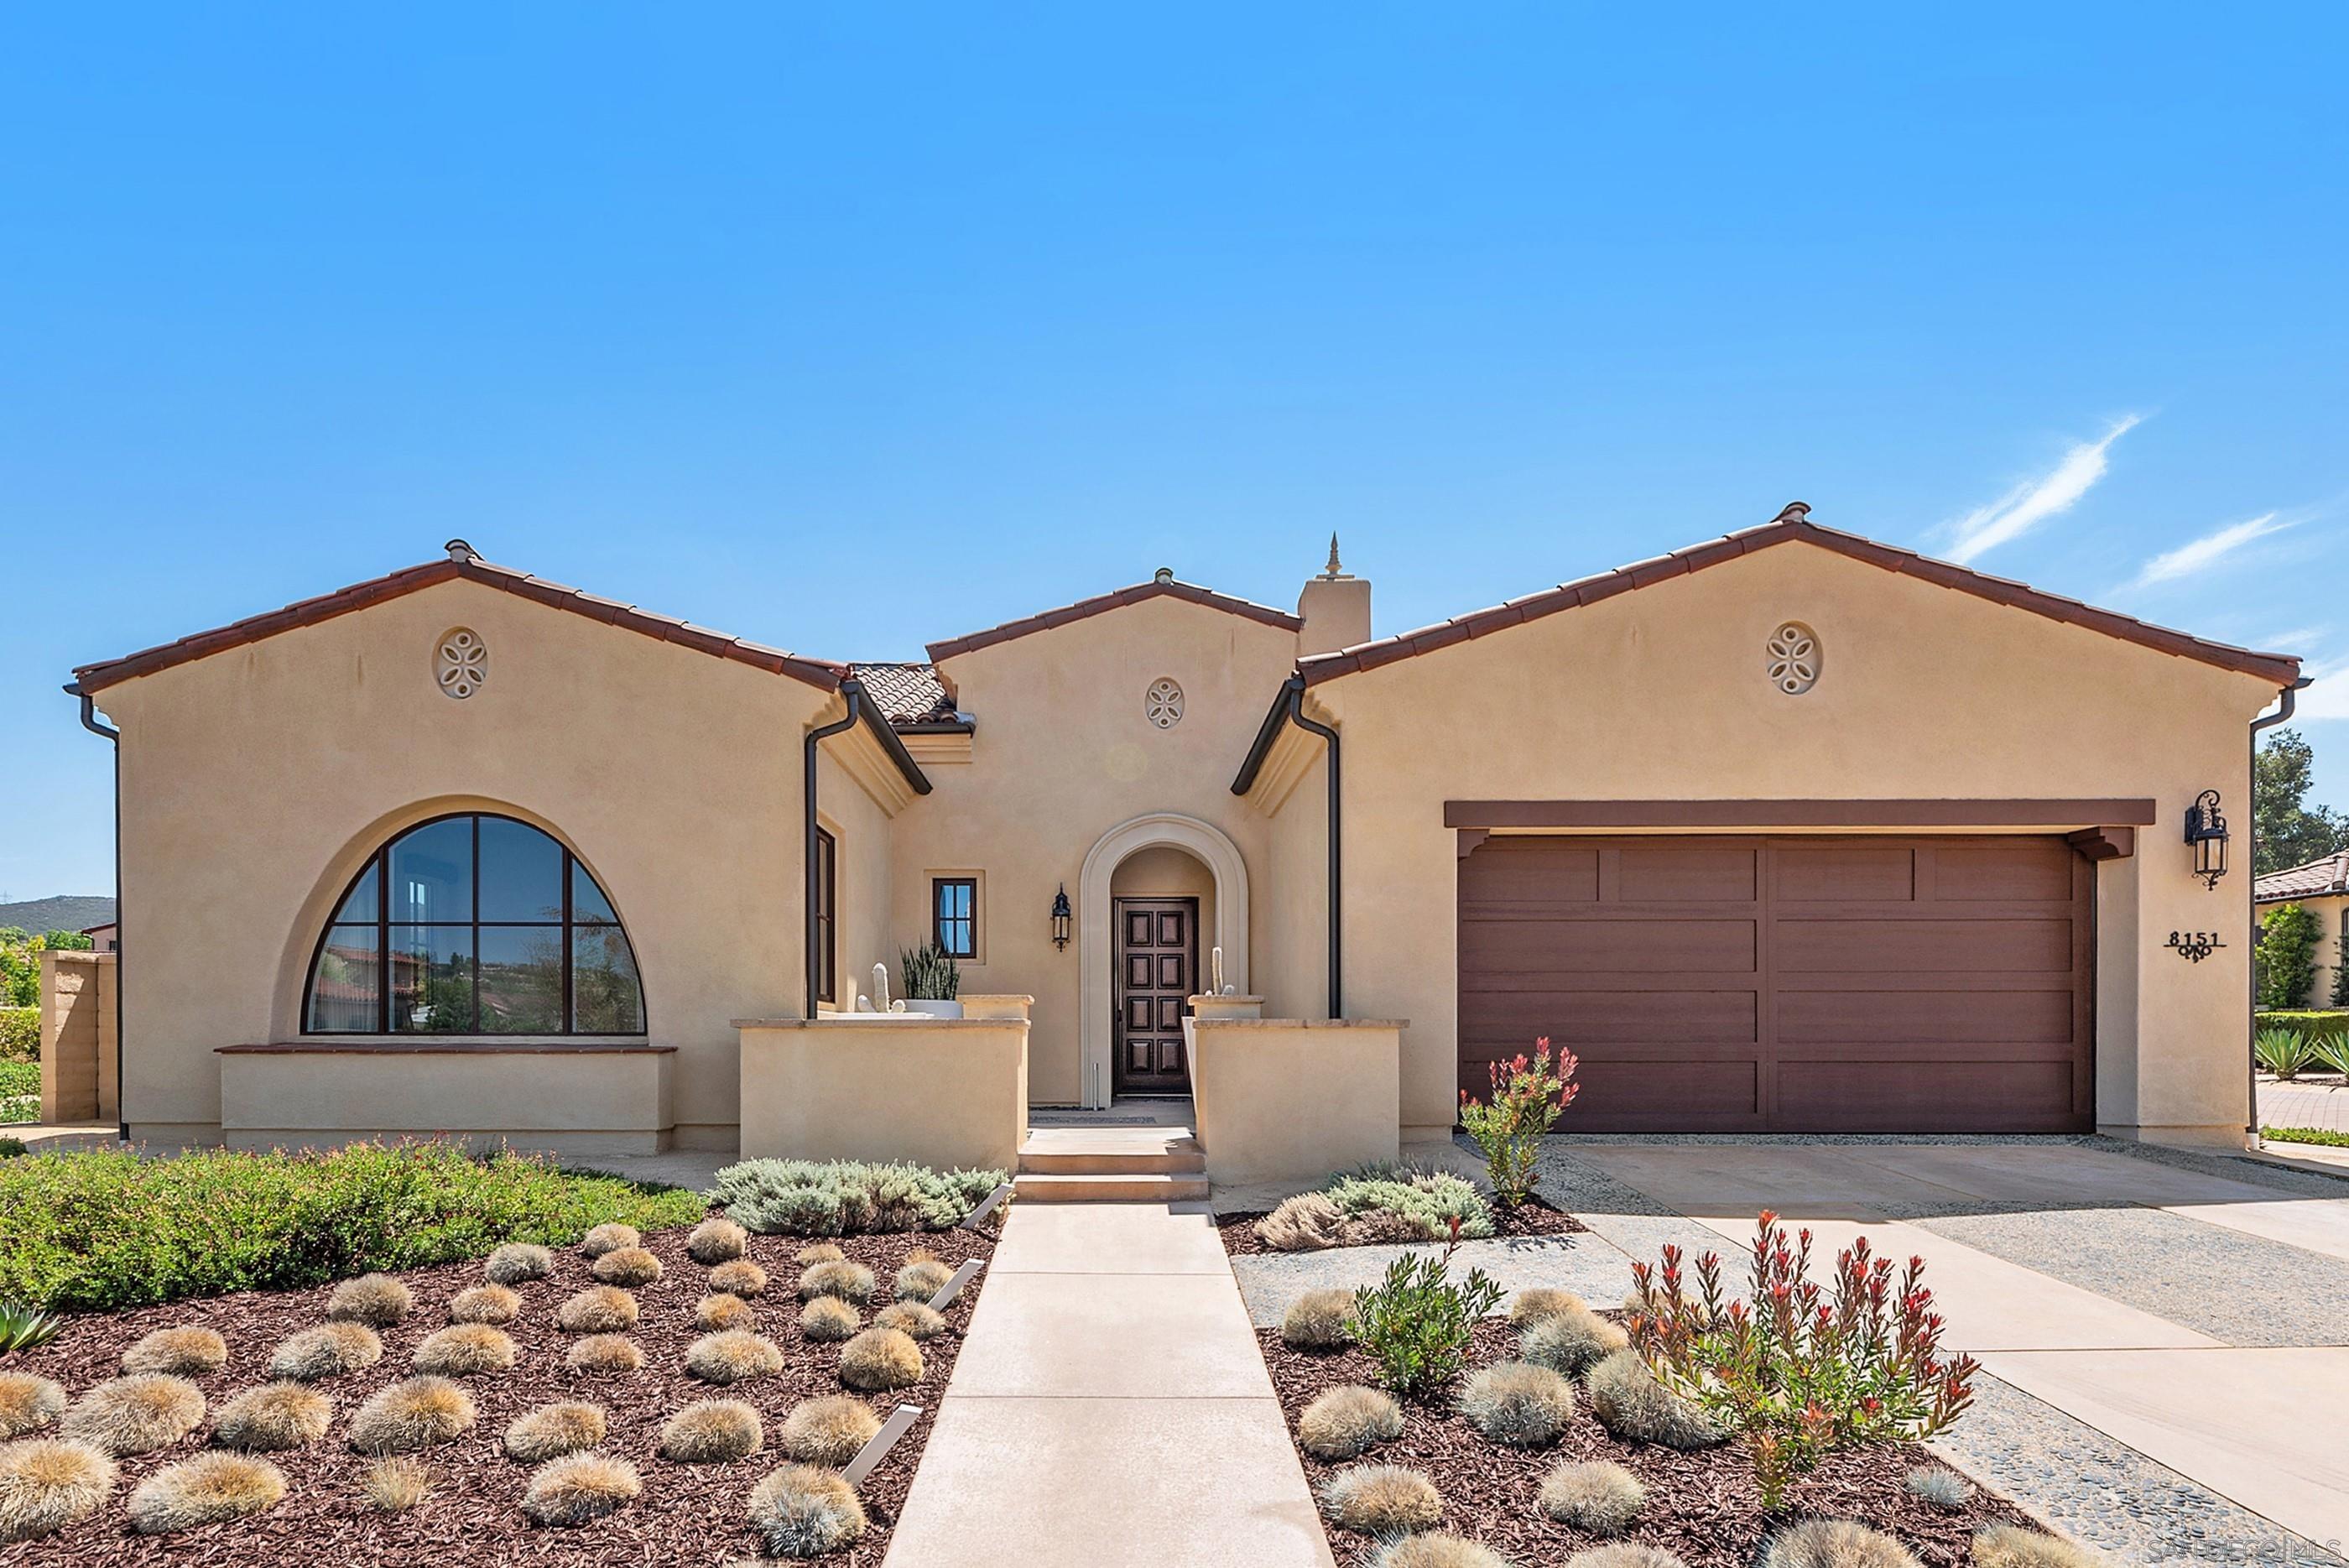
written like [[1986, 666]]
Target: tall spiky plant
[[929, 972]]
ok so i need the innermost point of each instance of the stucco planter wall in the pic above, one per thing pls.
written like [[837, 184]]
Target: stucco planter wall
[[941, 1092], [1289, 1099], [563, 1098]]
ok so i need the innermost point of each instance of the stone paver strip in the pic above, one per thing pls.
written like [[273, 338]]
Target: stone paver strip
[[1108, 1414], [2304, 1104]]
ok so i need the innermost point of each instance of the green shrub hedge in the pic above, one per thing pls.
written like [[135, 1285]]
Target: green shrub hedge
[[2314, 1023], [847, 1197], [96, 1231], [20, 1033]]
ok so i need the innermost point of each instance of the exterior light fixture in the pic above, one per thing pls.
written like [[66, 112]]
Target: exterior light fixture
[[2206, 835], [1060, 917]]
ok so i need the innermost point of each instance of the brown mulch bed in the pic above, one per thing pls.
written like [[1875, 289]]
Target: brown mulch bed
[[1534, 1219], [1701, 1506], [688, 1514]]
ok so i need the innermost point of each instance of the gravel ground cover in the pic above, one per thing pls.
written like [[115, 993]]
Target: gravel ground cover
[[1701, 1506], [686, 1514]]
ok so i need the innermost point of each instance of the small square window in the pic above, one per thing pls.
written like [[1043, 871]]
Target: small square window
[[954, 915]]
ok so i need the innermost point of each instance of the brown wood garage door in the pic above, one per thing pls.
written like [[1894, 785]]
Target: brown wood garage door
[[1809, 984]]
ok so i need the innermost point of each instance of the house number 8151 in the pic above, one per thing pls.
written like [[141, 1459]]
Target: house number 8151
[[2194, 946]]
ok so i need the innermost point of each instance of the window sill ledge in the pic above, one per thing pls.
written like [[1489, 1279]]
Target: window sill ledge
[[364, 1045]]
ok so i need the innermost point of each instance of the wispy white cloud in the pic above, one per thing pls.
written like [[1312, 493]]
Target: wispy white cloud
[[2329, 697], [2299, 638], [2209, 549], [2035, 501]]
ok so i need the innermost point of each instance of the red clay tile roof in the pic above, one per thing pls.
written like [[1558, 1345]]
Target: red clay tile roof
[[2316, 879], [1791, 526], [1190, 592], [819, 672], [907, 693]]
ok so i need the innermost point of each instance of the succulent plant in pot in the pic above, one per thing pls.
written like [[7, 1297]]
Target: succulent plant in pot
[[931, 981]]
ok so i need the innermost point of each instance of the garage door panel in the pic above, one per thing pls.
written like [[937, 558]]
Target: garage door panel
[[1803, 874], [1695, 872], [1627, 1094], [1538, 871], [1924, 1097], [1581, 1017], [1629, 946], [2021, 869], [1871, 1017], [1866, 946]]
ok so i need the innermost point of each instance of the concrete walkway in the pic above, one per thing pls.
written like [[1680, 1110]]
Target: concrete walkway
[[1109, 1406], [2319, 1102]]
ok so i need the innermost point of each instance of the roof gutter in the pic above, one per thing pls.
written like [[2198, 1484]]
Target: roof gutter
[[860, 711], [1288, 708], [113, 737], [2287, 700]]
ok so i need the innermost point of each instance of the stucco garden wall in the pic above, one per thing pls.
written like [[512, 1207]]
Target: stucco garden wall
[[1286, 1099], [950, 1092], [1925, 692], [255, 780]]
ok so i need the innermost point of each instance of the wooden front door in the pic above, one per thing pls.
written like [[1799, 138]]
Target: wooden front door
[[1158, 975]]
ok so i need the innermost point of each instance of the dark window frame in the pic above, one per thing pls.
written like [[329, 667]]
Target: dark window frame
[[566, 929], [940, 920], [827, 915]]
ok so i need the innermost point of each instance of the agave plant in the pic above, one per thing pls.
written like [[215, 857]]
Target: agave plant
[[23, 1328], [2283, 1051], [2333, 1050], [930, 974]]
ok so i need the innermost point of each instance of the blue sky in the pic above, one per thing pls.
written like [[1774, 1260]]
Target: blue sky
[[850, 329]]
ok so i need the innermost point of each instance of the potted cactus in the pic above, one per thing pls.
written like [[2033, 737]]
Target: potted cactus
[[931, 981]]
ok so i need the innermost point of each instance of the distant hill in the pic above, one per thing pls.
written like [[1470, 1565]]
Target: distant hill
[[61, 914]]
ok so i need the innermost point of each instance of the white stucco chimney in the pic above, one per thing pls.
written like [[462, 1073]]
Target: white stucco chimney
[[1335, 607]]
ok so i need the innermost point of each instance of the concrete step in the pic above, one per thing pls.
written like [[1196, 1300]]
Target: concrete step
[[1090, 1187], [1045, 1153]]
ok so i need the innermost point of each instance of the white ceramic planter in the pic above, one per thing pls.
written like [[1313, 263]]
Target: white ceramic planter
[[932, 1007]]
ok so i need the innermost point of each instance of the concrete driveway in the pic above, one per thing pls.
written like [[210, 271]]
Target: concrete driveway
[[2195, 1309]]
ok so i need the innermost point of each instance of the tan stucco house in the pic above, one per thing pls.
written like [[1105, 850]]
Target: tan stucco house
[[1787, 831], [2321, 888]]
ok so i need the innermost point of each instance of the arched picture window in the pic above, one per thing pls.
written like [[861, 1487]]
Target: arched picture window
[[473, 925]]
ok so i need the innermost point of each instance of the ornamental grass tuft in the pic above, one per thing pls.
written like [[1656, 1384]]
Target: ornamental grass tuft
[[723, 1311], [716, 1240], [273, 1417], [817, 1253], [328, 1351], [627, 1266], [730, 1355], [713, 1432], [1308, 1222], [1629, 1403], [1320, 1320], [880, 1359], [741, 1277], [1598, 1496], [828, 1430], [187, 1351], [2013, 1546], [465, 1350], [378, 1301], [1625, 1554], [205, 1489], [579, 1489], [47, 1483], [396, 1485], [610, 1238], [517, 1263], [851, 1281], [1834, 1543], [1518, 1404], [28, 1403], [135, 1414], [1530, 1306], [606, 1353], [1942, 1487], [554, 1430], [484, 1303], [828, 1320], [1347, 1420], [1382, 1499], [1571, 1342], [412, 1415], [1441, 1549], [916, 1320], [599, 1309], [923, 1276], [800, 1511]]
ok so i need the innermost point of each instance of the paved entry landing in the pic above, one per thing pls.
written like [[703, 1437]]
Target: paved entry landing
[[1109, 1406]]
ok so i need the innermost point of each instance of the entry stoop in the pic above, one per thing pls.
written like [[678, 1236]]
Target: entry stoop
[[1110, 1165]]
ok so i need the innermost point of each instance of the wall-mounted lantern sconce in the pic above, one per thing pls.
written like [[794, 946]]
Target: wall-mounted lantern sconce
[[1061, 917], [2206, 835]]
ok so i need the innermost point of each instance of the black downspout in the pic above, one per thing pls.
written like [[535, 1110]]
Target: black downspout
[[2287, 698], [113, 737], [856, 695], [1295, 688]]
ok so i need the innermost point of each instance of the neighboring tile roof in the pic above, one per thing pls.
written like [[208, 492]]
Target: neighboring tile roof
[[2314, 880], [461, 562], [907, 693], [1791, 526], [1166, 588]]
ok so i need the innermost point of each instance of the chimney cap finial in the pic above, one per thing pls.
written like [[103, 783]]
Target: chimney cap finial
[[461, 552], [1335, 570]]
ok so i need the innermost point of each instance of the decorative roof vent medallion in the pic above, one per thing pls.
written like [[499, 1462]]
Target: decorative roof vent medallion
[[1162, 703], [1793, 651], [460, 662]]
